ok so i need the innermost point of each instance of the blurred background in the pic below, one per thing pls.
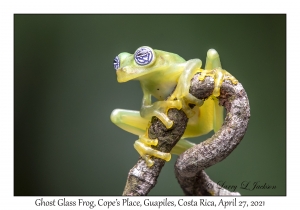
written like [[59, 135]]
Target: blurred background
[[65, 89]]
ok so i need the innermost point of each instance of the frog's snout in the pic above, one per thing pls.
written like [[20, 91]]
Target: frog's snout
[[122, 74]]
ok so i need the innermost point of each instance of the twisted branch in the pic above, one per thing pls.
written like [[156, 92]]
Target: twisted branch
[[190, 165]]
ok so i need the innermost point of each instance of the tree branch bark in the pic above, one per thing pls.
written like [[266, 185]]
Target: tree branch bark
[[190, 165]]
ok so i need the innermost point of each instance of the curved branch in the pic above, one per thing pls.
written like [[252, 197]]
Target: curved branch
[[189, 166], [141, 178]]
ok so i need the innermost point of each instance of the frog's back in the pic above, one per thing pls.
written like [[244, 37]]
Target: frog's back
[[170, 57]]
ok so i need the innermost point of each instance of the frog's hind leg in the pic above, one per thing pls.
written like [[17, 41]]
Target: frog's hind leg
[[213, 68], [132, 122], [213, 62], [129, 120], [181, 146]]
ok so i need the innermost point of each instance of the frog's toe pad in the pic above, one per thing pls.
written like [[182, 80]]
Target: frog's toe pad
[[212, 54], [161, 112], [148, 161], [146, 152], [147, 141]]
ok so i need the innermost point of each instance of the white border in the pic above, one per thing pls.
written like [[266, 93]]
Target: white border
[[9, 8]]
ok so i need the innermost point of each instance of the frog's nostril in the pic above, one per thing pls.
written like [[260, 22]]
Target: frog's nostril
[[125, 70]]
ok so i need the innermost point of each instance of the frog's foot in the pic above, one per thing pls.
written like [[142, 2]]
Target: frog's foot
[[160, 110], [219, 76], [230, 77], [182, 94], [143, 146]]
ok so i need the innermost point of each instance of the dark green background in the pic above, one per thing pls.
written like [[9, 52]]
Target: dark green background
[[65, 88]]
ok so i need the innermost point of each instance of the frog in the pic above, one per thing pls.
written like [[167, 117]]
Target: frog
[[167, 77]]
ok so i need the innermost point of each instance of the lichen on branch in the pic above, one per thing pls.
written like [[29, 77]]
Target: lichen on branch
[[190, 165]]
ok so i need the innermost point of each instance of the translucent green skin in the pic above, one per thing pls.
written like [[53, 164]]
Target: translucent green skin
[[158, 79]]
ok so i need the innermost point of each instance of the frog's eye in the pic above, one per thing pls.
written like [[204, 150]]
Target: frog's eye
[[144, 56], [117, 63]]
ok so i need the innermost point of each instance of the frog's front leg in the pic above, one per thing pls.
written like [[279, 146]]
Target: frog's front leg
[[219, 76], [158, 109], [148, 110], [132, 122], [181, 92]]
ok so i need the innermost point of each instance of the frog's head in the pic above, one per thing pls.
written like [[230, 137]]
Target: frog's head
[[144, 61]]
